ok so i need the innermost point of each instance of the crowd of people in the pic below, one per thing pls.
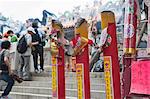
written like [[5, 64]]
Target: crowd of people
[[35, 41], [34, 38]]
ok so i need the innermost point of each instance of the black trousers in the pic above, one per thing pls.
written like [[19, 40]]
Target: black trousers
[[38, 51]]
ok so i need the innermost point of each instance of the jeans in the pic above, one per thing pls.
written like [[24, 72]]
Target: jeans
[[6, 77], [24, 69]]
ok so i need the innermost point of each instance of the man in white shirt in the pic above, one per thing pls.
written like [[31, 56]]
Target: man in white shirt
[[98, 40]]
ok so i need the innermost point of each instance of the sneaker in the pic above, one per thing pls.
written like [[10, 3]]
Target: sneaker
[[41, 70], [36, 71], [26, 78], [4, 97]]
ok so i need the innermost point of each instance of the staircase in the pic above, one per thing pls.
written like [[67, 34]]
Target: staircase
[[40, 87]]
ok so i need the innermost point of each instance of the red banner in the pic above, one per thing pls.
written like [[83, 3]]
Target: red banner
[[130, 26], [113, 52], [140, 77]]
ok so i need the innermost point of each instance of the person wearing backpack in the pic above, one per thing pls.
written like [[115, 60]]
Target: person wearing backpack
[[24, 48], [5, 69]]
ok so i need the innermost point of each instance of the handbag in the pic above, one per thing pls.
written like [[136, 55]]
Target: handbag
[[16, 78]]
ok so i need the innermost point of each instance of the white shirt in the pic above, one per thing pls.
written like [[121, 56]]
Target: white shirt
[[96, 41]]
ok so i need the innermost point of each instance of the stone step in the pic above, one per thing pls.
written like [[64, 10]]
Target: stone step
[[68, 85], [20, 95], [70, 74], [95, 94], [46, 79], [2, 83], [92, 75]]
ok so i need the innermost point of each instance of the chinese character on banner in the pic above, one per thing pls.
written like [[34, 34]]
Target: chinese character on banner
[[140, 77], [79, 74], [54, 77], [108, 77]]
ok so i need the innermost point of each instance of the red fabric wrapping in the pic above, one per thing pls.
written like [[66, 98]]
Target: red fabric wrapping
[[113, 52]]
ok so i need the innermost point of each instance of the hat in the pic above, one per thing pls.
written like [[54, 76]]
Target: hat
[[35, 24], [31, 29], [5, 34], [14, 38]]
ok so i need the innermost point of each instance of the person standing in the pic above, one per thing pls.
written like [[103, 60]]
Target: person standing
[[5, 70], [95, 52], [68, 56], [38, 43], [25, 57]]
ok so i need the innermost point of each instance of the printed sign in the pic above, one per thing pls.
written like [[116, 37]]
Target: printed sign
[[54, 77], [129, 31], [142, 52], [79, 75], [107, 71], [140, 77]]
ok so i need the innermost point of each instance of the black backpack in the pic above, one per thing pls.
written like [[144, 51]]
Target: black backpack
[[3, 66], [22, 45]]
